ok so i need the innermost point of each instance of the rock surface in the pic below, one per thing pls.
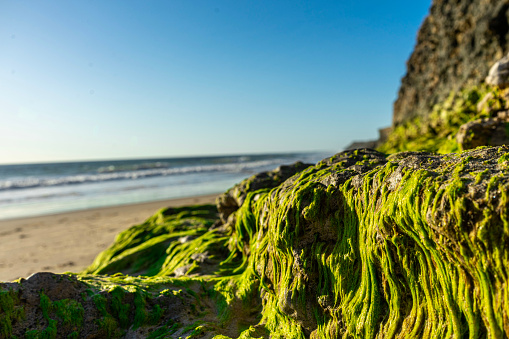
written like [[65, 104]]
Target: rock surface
[[456, 46], [360, 245], [484, 132], [499, 73], [231, 200]]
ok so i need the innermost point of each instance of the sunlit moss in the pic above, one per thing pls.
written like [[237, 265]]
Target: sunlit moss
[[437, 132], [386, 269], [361, 245]]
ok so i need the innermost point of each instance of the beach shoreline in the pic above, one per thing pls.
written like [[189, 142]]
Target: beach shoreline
[[70, 241]]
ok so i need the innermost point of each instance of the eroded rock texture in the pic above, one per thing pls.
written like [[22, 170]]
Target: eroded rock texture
[[231, 200], [456, 46], [361, 245]]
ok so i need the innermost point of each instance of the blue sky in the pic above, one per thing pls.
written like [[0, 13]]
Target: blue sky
[[84, 80]]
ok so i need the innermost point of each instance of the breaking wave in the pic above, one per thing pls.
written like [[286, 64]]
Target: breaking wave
[[109, 173]]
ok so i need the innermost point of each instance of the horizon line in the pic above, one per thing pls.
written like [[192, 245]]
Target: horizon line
[[163, 157]]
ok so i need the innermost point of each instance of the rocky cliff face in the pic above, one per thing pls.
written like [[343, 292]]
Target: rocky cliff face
[[456, 45]]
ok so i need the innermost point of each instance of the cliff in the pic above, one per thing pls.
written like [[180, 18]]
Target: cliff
[[475, 116], [456, 45]]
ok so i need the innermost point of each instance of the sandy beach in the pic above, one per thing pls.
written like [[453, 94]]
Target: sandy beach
[[70, 241]]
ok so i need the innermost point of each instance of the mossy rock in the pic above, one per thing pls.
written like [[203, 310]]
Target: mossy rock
[[361, 245], [230, 201], [166, 244], [440, 131]]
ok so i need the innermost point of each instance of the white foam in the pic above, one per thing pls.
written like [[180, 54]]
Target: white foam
[[32, 182]]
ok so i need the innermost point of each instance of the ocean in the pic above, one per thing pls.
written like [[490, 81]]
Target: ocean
[[39, 189]]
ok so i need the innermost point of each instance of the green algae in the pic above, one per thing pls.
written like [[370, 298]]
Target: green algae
[[358, 246], [163, 244], [437, 132], [165, 331], [70, 312], [357, 259], [119, 309], [49, 332], [386, 271], [66, 312], [126, 307], [140, 314], [11, 312]]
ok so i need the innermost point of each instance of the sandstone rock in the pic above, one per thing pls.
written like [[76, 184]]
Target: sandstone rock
[[499, 73], [383, 134]]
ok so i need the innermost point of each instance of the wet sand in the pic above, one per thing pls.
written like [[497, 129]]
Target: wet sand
[[70, 241]]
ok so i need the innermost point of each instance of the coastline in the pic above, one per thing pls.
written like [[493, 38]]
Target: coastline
[[70, 241]]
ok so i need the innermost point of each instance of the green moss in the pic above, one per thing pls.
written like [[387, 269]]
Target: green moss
[[49, 332], [155, 315], [389, 252], [437, 132], [70, 312], [163, 244], [504, 158], [120, 309], [121, 315], [140, 314], [194, 328], [479, 175], [11, 312], [253, 332], [196, 332], [45, 305], [107, 323], [7, 301], [109, 326], [100, 304], [165, 331]]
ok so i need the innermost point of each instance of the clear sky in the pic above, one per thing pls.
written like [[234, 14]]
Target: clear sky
[[82, 80]]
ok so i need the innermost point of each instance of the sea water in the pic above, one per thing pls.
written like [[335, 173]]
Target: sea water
[[38, 189]]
